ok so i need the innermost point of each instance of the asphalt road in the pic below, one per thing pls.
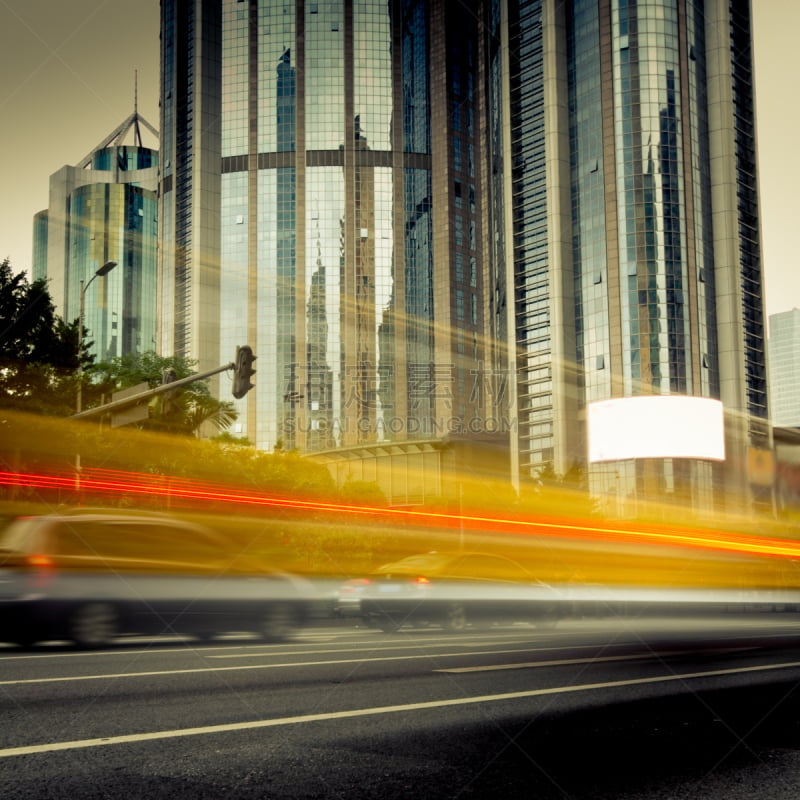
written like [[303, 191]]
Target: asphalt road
[[593, 709]]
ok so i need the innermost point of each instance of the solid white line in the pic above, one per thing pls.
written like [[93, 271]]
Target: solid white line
[[598, 660], [9, 653], [363, 712], [374, 648], [363, 660], [328, 662]]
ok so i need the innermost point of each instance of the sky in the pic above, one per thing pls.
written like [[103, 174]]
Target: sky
[[68, 69]]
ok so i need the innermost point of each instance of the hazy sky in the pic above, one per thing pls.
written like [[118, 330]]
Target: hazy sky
[[68, 68]]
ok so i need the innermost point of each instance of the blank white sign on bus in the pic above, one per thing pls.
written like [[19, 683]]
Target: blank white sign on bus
[[662, 426]]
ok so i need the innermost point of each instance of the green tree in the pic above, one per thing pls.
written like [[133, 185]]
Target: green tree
[[184, 410], [38, 350], [363, 493], [227, 440]]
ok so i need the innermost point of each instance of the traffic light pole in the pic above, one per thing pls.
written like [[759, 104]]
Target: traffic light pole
[[138, 398]]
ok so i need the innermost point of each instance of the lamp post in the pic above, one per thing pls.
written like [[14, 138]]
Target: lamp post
[[103, 271]]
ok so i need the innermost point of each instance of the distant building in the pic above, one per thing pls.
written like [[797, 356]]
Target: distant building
[[39, 270], [104, 209], [784, 368]]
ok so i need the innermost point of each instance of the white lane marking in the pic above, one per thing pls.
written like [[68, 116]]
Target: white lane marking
[[563, 662], [363, 660], [241, 667], [357, 648], [9, 654], [374, 711]]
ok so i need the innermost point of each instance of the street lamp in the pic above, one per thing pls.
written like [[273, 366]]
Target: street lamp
[[103, 271]]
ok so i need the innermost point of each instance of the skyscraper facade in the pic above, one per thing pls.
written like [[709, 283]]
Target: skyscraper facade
[[626, 203], [308, 149], [431, 217], [102, 209]]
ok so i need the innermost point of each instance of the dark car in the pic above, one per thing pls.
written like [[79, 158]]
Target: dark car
[[457, 590], [87, 577], [347, 598]]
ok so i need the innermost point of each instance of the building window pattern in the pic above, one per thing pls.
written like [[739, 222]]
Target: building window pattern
[[372, 73], [184, 64], [784, 368], [324, 75], [368, 387], [701, 187], [419, 276], [588, 202], [39, 256], [277, 84], [416, 92], [114, 222], [168, 86], [418, 212], [343, 379], [747, 190], [166, 222], [235, 78], [531, 261], [324, 308], [234, 226], [652, 211], [497, 247], [139, 277], [276, 287], [465, 314], [385, 401]]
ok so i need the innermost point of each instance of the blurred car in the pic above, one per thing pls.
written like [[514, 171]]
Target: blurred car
[[455, 591], [347, 600], [87, 577]]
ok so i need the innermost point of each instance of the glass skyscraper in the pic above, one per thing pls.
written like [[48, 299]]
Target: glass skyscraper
[[431, 217], [625, 204], [305, 148], [104, 209]]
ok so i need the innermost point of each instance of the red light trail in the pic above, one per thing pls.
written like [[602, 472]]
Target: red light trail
[[117, 482]]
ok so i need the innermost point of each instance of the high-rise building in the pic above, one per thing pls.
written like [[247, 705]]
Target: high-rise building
[[784, 368], [105, 208], [625, 202], [432, 217], [306, 150]]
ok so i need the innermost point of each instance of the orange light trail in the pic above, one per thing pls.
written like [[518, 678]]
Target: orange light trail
[[119, 482]]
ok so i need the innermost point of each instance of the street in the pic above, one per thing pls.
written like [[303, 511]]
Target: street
[[594, 708]]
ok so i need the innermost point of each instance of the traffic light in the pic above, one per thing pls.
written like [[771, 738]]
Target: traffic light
[[168, 405], [243, 370]]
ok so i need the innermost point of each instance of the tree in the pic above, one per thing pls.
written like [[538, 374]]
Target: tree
[[183, 411], [38, 350], [228, 440], [363, 493]]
